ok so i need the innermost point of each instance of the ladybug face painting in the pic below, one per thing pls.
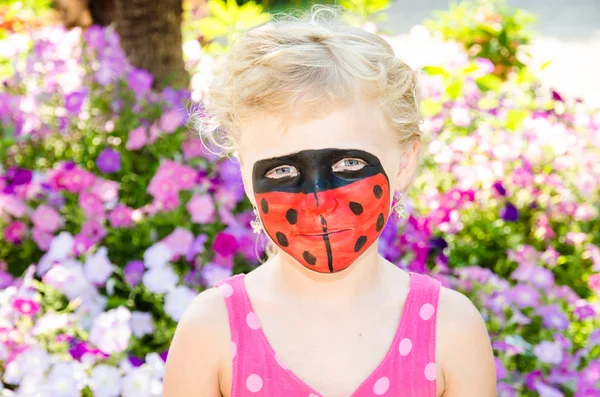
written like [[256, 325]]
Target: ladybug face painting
[[323, 207]]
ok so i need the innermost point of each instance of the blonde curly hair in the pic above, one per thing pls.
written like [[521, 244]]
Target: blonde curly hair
[[306, 62]]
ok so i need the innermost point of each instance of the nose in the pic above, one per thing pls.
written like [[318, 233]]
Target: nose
[[318, 203]]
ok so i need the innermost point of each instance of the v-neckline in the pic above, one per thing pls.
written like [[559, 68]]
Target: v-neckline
[[390, 351]]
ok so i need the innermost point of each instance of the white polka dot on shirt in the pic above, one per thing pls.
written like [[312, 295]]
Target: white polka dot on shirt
[[427, 311], [226, 290], [254, 383], [405, 346], [381, 386], [233, 349], [252, 320], [313, 395], [430, 372]]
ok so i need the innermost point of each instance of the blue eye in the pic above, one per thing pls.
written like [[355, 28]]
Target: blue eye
[[283, 171], [349, 164]]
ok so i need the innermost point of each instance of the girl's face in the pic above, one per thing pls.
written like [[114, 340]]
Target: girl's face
[[323, 187]]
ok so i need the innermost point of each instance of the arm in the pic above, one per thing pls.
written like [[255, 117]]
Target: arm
[[194, 363], [465, 351]]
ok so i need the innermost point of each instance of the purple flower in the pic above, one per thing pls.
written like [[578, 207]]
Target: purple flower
[[6, 279], [94, 37], [164, 355], [584, 311], [18, 176], [109, 161], [140, 81], [501, 372], [212, 273], [549, 352], [510, 213], [553, 317], [438, 243], [134, 270], [136, 361], [524, 296], [500, 188], [197, 247], [74, 101], [225, 244], [532, 378]]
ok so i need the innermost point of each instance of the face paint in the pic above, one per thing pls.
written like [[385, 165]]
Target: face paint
[[323, 207]]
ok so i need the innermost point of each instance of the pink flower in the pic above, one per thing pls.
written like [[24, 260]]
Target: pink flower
[[120, 216], [105, 189], [594, 282], [12, 205], [179, 241], [137, 138], [26, 307], [201, 208], [225, 244], [185, 177], [73, 180], [92, 205], [14, 232], [154, 133], [46, 218], [42, 238], [192, 147], [170, 121], [575, 238]]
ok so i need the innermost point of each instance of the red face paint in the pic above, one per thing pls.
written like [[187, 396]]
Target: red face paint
[[324, 219]]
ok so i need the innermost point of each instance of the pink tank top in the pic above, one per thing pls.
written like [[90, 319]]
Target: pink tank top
[[408, 368]]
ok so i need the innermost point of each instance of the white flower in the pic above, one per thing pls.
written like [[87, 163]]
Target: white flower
[[69, 280], [157, 255], [51, 321], [66, 379], [160, 279], [177, 300], [34, 362], [111, 332], [141, 324], [156, 365], [140, 383], [97, 267], [105, 381], [60, 247]]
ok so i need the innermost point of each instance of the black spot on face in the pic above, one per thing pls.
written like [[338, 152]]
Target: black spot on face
[[379, 224], [309, 258], [356, 208], [292, 216], [378, 191], [360, 243], [264, 205], [281, 239]]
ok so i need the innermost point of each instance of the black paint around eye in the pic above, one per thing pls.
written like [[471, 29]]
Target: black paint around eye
[[315, 171]]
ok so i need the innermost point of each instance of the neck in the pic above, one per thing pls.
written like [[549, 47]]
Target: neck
[[364, 276]]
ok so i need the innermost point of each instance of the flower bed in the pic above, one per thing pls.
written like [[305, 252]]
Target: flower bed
[[114, 216]]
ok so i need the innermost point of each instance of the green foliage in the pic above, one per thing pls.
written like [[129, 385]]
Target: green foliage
[[363, 11], [488, 29], [226, 20]]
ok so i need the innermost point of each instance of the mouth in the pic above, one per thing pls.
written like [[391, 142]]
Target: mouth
[[322, 233]]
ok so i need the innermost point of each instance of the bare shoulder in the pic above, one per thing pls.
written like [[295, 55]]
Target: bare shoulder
[[197, 351], [464, 349]]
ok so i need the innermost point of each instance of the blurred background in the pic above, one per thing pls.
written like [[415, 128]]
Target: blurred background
[[114, 216]]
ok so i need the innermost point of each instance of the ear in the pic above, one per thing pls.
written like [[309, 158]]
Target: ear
[[407, 167]]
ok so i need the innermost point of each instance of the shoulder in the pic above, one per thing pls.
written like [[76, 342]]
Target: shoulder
[[199, 346], [464, 349]]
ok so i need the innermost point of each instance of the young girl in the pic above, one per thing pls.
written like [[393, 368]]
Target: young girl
[[324, 121]]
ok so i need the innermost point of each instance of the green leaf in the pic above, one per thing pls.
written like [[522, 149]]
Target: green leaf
[[435, 70], [488, 82], [455, 88], [514, 119], [429, 107]]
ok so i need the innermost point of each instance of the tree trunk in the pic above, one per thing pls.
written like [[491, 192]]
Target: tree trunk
[[150, 33]]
